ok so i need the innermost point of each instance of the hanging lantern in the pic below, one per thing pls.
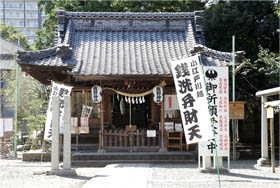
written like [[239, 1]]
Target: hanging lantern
[[96, 94], [158, 94]]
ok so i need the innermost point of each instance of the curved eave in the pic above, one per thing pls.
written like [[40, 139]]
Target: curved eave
[[225, 57]]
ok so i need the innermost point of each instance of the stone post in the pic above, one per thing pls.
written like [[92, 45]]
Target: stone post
[[67, 134], [206, 162], [220, 160], [264, 137], [55, 133]]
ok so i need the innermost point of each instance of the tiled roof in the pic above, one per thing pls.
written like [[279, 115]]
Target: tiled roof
[[6, 56], [7, 61], [129, 52], [126, 15], [217, 58], [125, 43], [55, 56]]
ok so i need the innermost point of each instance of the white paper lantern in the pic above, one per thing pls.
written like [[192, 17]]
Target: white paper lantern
[[96, 94], [158, 94]]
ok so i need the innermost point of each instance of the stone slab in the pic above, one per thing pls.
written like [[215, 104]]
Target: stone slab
[[67, 173]]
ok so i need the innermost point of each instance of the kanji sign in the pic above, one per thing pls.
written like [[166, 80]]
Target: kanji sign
[[61, 91], [217, 86], [192, 99], [86, 111], [171, 102]]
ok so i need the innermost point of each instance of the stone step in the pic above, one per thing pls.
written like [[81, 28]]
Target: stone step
[[102, 163], [80, 156], [85, 147]]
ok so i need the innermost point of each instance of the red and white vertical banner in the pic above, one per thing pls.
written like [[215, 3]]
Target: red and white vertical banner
[[218, 96], [61, 91], [192, 99]]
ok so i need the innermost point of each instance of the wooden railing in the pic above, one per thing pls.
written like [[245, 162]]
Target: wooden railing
[[121, 140]]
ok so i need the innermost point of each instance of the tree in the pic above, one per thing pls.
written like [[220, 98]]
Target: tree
[[46, 36], [269, 65], [32, 103], [253, 23], [9, 33]]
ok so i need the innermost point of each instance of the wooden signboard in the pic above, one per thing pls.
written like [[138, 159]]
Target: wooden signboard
[[130, 127], [269, 112], [83, 130], [75, 130], [236, 110]]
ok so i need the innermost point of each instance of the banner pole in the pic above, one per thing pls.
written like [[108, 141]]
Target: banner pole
[[16, 115], [233, 99], [216, 151]]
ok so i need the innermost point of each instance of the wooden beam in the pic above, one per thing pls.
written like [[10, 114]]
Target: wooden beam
[[162, 122], [122, 77], [101, 137]]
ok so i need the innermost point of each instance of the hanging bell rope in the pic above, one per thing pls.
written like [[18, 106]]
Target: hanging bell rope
[[162, 84]]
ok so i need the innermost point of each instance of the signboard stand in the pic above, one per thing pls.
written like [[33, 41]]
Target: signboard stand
[[236, 112]]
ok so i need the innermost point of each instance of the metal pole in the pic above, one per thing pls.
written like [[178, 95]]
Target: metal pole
[[16, 114], [272, 144], [233, 97]]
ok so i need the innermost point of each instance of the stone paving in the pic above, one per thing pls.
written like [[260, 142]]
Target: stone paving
[[243, 173]]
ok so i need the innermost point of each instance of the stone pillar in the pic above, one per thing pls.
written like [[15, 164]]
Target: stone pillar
[[206, 162], [220, 160], [264, 137], [67, 134], [55, 133]]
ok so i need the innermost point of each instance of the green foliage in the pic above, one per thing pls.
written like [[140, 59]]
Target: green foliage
[[9, 33], [32, 102], [46, 36], [253, 23], [269, 64]]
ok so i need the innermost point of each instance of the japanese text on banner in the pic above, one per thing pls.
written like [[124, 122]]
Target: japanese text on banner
[[217, 86], [61, 91], [192, 99]]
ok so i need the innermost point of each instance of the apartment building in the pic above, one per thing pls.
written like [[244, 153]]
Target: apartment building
[[24, 15]]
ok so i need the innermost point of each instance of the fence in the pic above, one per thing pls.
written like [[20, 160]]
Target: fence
[[121, 140]]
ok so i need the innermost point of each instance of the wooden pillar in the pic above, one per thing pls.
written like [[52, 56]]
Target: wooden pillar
[[162, 122], [72, 103], [101, 136], [108, 108]]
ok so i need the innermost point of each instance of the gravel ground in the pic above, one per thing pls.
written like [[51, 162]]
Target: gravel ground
[[242, 174], [18, 174]]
